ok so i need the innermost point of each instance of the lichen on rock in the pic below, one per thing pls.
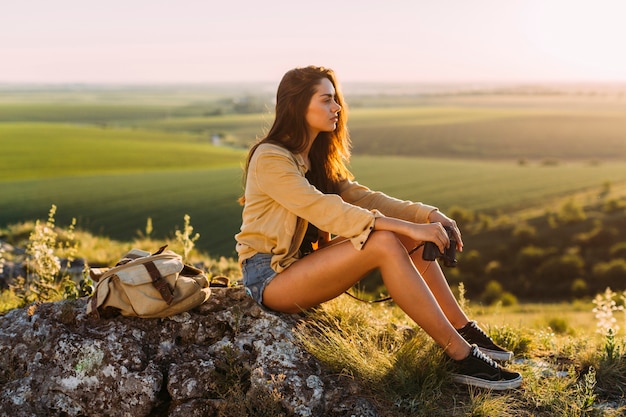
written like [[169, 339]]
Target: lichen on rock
[[228, 357]]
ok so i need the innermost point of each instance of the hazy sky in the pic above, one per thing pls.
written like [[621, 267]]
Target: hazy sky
[[148, 41]]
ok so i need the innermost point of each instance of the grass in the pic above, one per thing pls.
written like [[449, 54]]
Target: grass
[[569, 369], [542, 316], [399, 365], [115, 157]]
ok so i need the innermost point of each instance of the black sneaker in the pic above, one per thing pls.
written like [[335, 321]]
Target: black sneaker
[[474, 335], [478, 370]]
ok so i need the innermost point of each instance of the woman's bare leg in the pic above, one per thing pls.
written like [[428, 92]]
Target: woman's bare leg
[[329, 272], [436, 281]]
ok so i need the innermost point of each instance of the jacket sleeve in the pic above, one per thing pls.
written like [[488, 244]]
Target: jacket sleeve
[[359, 195], [278, 176]]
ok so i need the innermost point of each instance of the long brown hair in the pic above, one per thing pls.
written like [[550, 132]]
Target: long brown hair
[[330, 150]]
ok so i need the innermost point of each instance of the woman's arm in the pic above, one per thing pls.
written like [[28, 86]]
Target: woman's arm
[[360, 195], [420, 232]]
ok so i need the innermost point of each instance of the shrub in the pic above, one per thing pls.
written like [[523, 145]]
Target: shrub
[[579, 287], [618, 250], [556, 274], [524, 233], [492, 293], [508, 299], [570, 212], [558, 325], [462, 216], [529, 257], [471, 262], [610, 274], [612, 205]]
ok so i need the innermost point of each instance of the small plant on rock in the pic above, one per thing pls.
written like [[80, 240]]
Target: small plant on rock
[[46, 279], [185, 238]]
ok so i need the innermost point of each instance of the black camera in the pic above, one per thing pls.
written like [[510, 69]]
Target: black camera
[[431, 251]]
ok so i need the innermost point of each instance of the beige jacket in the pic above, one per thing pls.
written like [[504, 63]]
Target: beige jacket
[[280, 203]]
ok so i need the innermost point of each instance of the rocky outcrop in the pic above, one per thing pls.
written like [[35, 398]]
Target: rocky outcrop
[[228, 357]]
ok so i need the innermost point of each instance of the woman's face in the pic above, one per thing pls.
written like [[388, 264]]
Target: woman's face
[[323, 111]]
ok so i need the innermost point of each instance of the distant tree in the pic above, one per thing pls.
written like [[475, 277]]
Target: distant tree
[[610, 274], [492, 293], [494, 270], [612, 205], [508, 299], [597, 242], [530, 257], [484, 222], [495, 293], [571, 212], [618, 250], [606, 189], [579, 288], [550, 162], [471, 263], [462, 216], [249, 104], [552, 220], [524, 234], [556, 275]]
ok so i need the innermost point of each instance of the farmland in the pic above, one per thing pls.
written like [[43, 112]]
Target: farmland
[[114, 157], [537, 183]]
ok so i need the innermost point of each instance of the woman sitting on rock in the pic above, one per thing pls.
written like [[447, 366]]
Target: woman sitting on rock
[[299, 193]]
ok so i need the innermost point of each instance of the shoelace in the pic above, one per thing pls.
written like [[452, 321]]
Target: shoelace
[[478, 329], [479, 355]]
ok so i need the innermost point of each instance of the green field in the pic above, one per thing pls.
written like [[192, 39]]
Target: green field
[[118, 204], [113, 158], [544, 174], [45, 150]]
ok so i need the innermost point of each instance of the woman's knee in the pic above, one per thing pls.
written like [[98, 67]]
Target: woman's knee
[[385, 242]]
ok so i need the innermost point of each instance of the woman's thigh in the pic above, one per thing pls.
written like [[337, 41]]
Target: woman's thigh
[[325, 273]]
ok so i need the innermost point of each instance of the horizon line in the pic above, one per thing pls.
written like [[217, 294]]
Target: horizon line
[[345, 82]]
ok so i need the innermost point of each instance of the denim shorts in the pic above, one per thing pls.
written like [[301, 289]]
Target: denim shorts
[[257, 273]]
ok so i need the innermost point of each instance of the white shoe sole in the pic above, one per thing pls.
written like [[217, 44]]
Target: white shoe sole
[[497, 355]]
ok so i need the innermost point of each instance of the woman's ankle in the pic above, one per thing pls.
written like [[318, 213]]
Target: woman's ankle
[[459, 353]]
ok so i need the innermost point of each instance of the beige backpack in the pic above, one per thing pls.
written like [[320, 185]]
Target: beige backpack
[[147, 285]]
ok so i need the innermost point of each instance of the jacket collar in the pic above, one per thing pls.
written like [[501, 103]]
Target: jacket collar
[[301, 164]]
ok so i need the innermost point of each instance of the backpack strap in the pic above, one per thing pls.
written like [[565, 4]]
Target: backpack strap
[[160, 251], [161, 285], [94, 303]]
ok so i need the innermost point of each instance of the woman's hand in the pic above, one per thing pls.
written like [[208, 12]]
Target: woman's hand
[[438, 217], [431, 232], [418, 232]]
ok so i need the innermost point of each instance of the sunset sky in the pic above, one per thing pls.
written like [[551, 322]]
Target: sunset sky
[[190, 41]]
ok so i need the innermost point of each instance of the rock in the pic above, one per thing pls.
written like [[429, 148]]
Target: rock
[[228, 357]]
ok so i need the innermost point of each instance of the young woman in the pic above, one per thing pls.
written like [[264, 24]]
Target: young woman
[[299, 193]]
